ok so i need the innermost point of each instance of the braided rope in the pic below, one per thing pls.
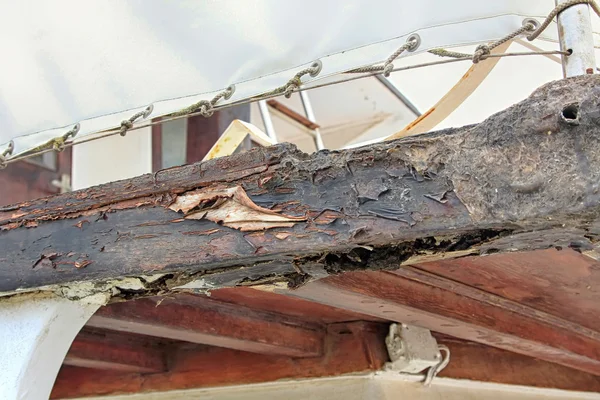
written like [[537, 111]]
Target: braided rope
[[296, 81], [59, 143], [127, 124], [557, 10], [206, 107], [7, 152], [447, 53], [483, 51], [411, 44]]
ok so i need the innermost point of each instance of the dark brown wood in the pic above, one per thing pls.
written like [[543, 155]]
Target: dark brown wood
[[200, 320], [476, 362], [202, 133], [461, 311], [472, 190], [349, 348], [116, 351], [293, 115], [562, 283], [156, 145]]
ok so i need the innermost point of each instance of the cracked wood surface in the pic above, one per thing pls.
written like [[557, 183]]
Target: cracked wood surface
[[472, 190]]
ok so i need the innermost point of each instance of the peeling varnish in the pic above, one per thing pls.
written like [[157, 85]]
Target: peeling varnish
[[232, 208], [99, 212]]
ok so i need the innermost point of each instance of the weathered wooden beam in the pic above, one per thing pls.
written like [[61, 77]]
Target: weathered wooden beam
[[349, 348], [446, 306], [200, 320], [278, 214], [116, 352]]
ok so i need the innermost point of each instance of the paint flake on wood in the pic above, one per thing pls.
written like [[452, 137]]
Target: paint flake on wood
[[230, 207]]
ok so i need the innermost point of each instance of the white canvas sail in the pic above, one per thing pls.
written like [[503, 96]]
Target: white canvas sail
[[96, 63]]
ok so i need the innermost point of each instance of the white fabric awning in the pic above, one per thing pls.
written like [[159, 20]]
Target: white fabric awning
[[98, 62]]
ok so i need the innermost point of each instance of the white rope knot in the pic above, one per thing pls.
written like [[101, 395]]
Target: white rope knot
[[411, 44], [7, 152], [206, 109], [295, 83], [387, 70], [125, 126], [481, 53], [292, 85]]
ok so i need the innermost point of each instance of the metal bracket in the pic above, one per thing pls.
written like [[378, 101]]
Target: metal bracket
[[413, 350]]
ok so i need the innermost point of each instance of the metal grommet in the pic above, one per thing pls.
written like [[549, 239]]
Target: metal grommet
[[317, 66], [531, 21], [148, 111], [229, 92], [73, 131], [417, 42]]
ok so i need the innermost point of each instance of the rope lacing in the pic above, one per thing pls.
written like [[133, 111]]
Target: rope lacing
[[128, 123], [206, 107], [484, 50], [296, 81], [529, 25], [557, 10], [7, 152], [412, 43], [59, 143]]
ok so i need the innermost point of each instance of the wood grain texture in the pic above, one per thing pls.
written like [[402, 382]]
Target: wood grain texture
[[476, 362], [156, 145], [352, 347], [116, 351], [460, 311], [201, 320], [503, 185], [199, 366], [293, 115], [561, 283], [285, 305]]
